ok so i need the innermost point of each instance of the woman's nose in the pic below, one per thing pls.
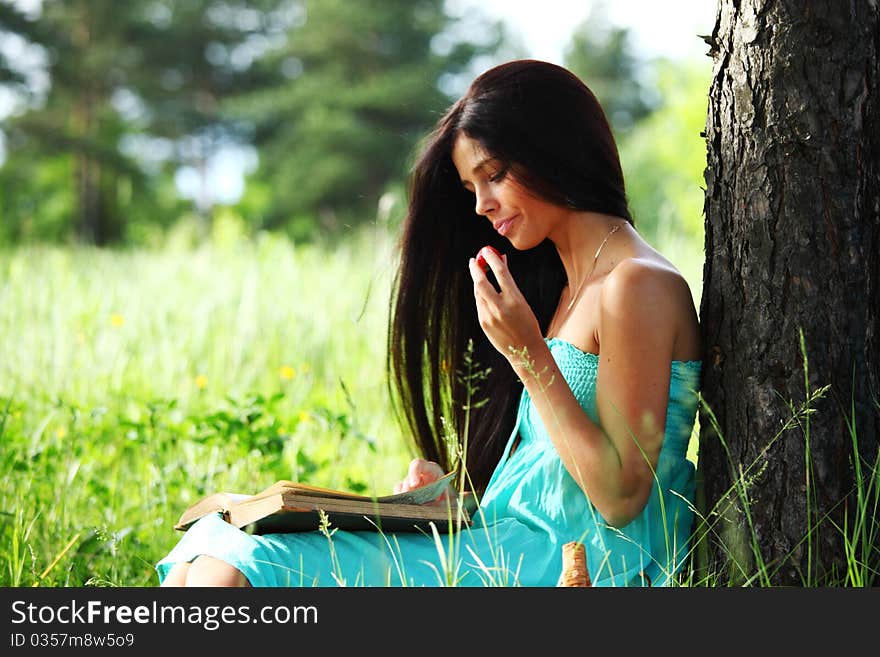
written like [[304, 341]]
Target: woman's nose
[[486, 202]]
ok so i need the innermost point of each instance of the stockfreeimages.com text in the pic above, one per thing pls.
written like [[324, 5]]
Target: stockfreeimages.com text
[[211, 617]]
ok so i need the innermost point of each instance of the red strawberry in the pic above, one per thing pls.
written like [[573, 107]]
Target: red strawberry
[[481, 257]]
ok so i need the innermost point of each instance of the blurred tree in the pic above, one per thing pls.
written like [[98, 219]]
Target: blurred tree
[[195, 53], [601, 54], [664, 156], [20, 36], [342, 104], [15, 23], [135, 90], [77, 127]]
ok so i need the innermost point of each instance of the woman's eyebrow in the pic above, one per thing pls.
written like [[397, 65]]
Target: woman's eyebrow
[[479, 165]]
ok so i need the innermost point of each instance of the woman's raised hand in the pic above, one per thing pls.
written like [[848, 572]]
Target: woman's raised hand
[[505, 316]]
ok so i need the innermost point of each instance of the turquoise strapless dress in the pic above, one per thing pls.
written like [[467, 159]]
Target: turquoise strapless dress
[[530, 509]]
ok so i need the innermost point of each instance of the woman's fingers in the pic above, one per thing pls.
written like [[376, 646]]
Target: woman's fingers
[[420, 472], [482, 287], [508, 292], [498, 265]]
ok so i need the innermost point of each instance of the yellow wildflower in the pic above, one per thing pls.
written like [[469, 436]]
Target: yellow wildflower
[[201, 381], [286, 372], [117, 320], [60, 432], [305, 417]]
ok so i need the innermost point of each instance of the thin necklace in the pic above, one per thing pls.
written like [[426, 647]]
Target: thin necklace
[[574, 296]]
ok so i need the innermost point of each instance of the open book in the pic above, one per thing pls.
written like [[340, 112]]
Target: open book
[[288, 506]]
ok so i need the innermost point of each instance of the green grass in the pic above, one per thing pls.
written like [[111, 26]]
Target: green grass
[[730, 525], [135, 382]]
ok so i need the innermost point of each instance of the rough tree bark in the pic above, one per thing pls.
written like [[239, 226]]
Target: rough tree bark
[[792, 216]]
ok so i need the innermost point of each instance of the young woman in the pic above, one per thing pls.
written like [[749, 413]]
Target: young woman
[[582, 345]]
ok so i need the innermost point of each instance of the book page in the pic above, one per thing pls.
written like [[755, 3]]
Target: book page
[[419, 495], [218, 502]]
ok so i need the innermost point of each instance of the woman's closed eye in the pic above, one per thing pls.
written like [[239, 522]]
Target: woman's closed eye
[[498, 176]]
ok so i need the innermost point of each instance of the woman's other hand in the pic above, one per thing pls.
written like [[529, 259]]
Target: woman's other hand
[[420, 473]]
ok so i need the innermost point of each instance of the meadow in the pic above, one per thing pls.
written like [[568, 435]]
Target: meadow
[[133, 382]]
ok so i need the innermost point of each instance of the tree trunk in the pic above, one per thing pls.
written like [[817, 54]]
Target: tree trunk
[[96, 221], [792, 217], [86, 171]]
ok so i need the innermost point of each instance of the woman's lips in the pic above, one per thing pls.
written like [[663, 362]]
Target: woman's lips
[[503, 227]]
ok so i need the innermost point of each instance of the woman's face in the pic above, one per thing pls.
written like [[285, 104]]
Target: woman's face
[[523, 218]]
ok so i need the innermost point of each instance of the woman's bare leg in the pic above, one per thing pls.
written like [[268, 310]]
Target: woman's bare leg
[[177, 575], [208, 571]]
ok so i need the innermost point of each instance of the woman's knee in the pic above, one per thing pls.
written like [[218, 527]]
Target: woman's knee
[[176, 575], [209, 571]]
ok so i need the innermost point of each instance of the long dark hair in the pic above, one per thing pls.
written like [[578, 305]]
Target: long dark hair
[[544, 123]]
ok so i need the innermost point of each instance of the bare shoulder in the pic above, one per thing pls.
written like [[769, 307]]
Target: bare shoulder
[[645, 279], [644, 294]]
